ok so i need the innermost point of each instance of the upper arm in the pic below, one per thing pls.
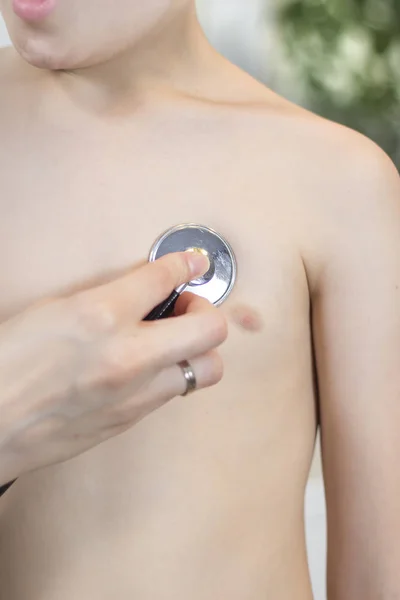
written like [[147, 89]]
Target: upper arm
[[356, 327]]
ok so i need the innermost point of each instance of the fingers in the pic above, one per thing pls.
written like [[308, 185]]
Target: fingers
[[190, 303], [171, 341], [136, 354], [136, 294], [208, 370], [170, 383], [165, 386]]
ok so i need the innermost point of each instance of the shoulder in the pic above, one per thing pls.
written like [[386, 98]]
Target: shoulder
[[347, 170], [347, 157], [329, 152], [313, 142], [345, 190], [349, 195], [317, 150], [332, 166], [326, 174]]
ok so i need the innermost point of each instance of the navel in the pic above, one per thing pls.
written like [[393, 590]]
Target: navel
[[246, 318]]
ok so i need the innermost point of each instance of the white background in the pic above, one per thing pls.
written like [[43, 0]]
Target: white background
[[3, 34]]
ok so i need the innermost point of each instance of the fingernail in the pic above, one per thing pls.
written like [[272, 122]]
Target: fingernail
[[199, 263]]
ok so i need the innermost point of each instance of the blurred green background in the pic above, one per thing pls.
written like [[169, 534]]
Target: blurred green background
[[344, 55], [339, 58]]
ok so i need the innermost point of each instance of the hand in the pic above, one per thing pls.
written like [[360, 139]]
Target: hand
[[76, 371]]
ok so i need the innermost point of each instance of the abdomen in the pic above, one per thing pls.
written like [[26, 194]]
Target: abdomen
[[202, 500]]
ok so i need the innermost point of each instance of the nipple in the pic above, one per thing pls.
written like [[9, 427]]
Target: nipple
[[247, 318]]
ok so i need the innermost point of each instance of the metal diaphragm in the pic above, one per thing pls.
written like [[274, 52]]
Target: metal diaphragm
[[218, 282]]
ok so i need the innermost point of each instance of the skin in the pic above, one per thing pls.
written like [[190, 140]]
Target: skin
[[80, 369], [146, 127]]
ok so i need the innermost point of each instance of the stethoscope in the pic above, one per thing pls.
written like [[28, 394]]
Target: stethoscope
[[215, 285]]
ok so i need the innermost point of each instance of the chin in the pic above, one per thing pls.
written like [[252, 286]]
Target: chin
[[44, 53]]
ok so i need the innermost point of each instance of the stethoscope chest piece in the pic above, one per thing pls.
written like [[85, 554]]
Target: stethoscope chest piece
[[218, 282]]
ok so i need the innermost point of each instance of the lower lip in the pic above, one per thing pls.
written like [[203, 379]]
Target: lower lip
[[33, 10]]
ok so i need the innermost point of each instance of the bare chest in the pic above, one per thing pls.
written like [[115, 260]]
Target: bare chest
[[75, 210]]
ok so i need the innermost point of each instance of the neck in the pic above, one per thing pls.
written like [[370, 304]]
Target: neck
[[170, 59]]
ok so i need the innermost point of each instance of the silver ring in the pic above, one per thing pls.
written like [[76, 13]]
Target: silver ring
[[190, 377]]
